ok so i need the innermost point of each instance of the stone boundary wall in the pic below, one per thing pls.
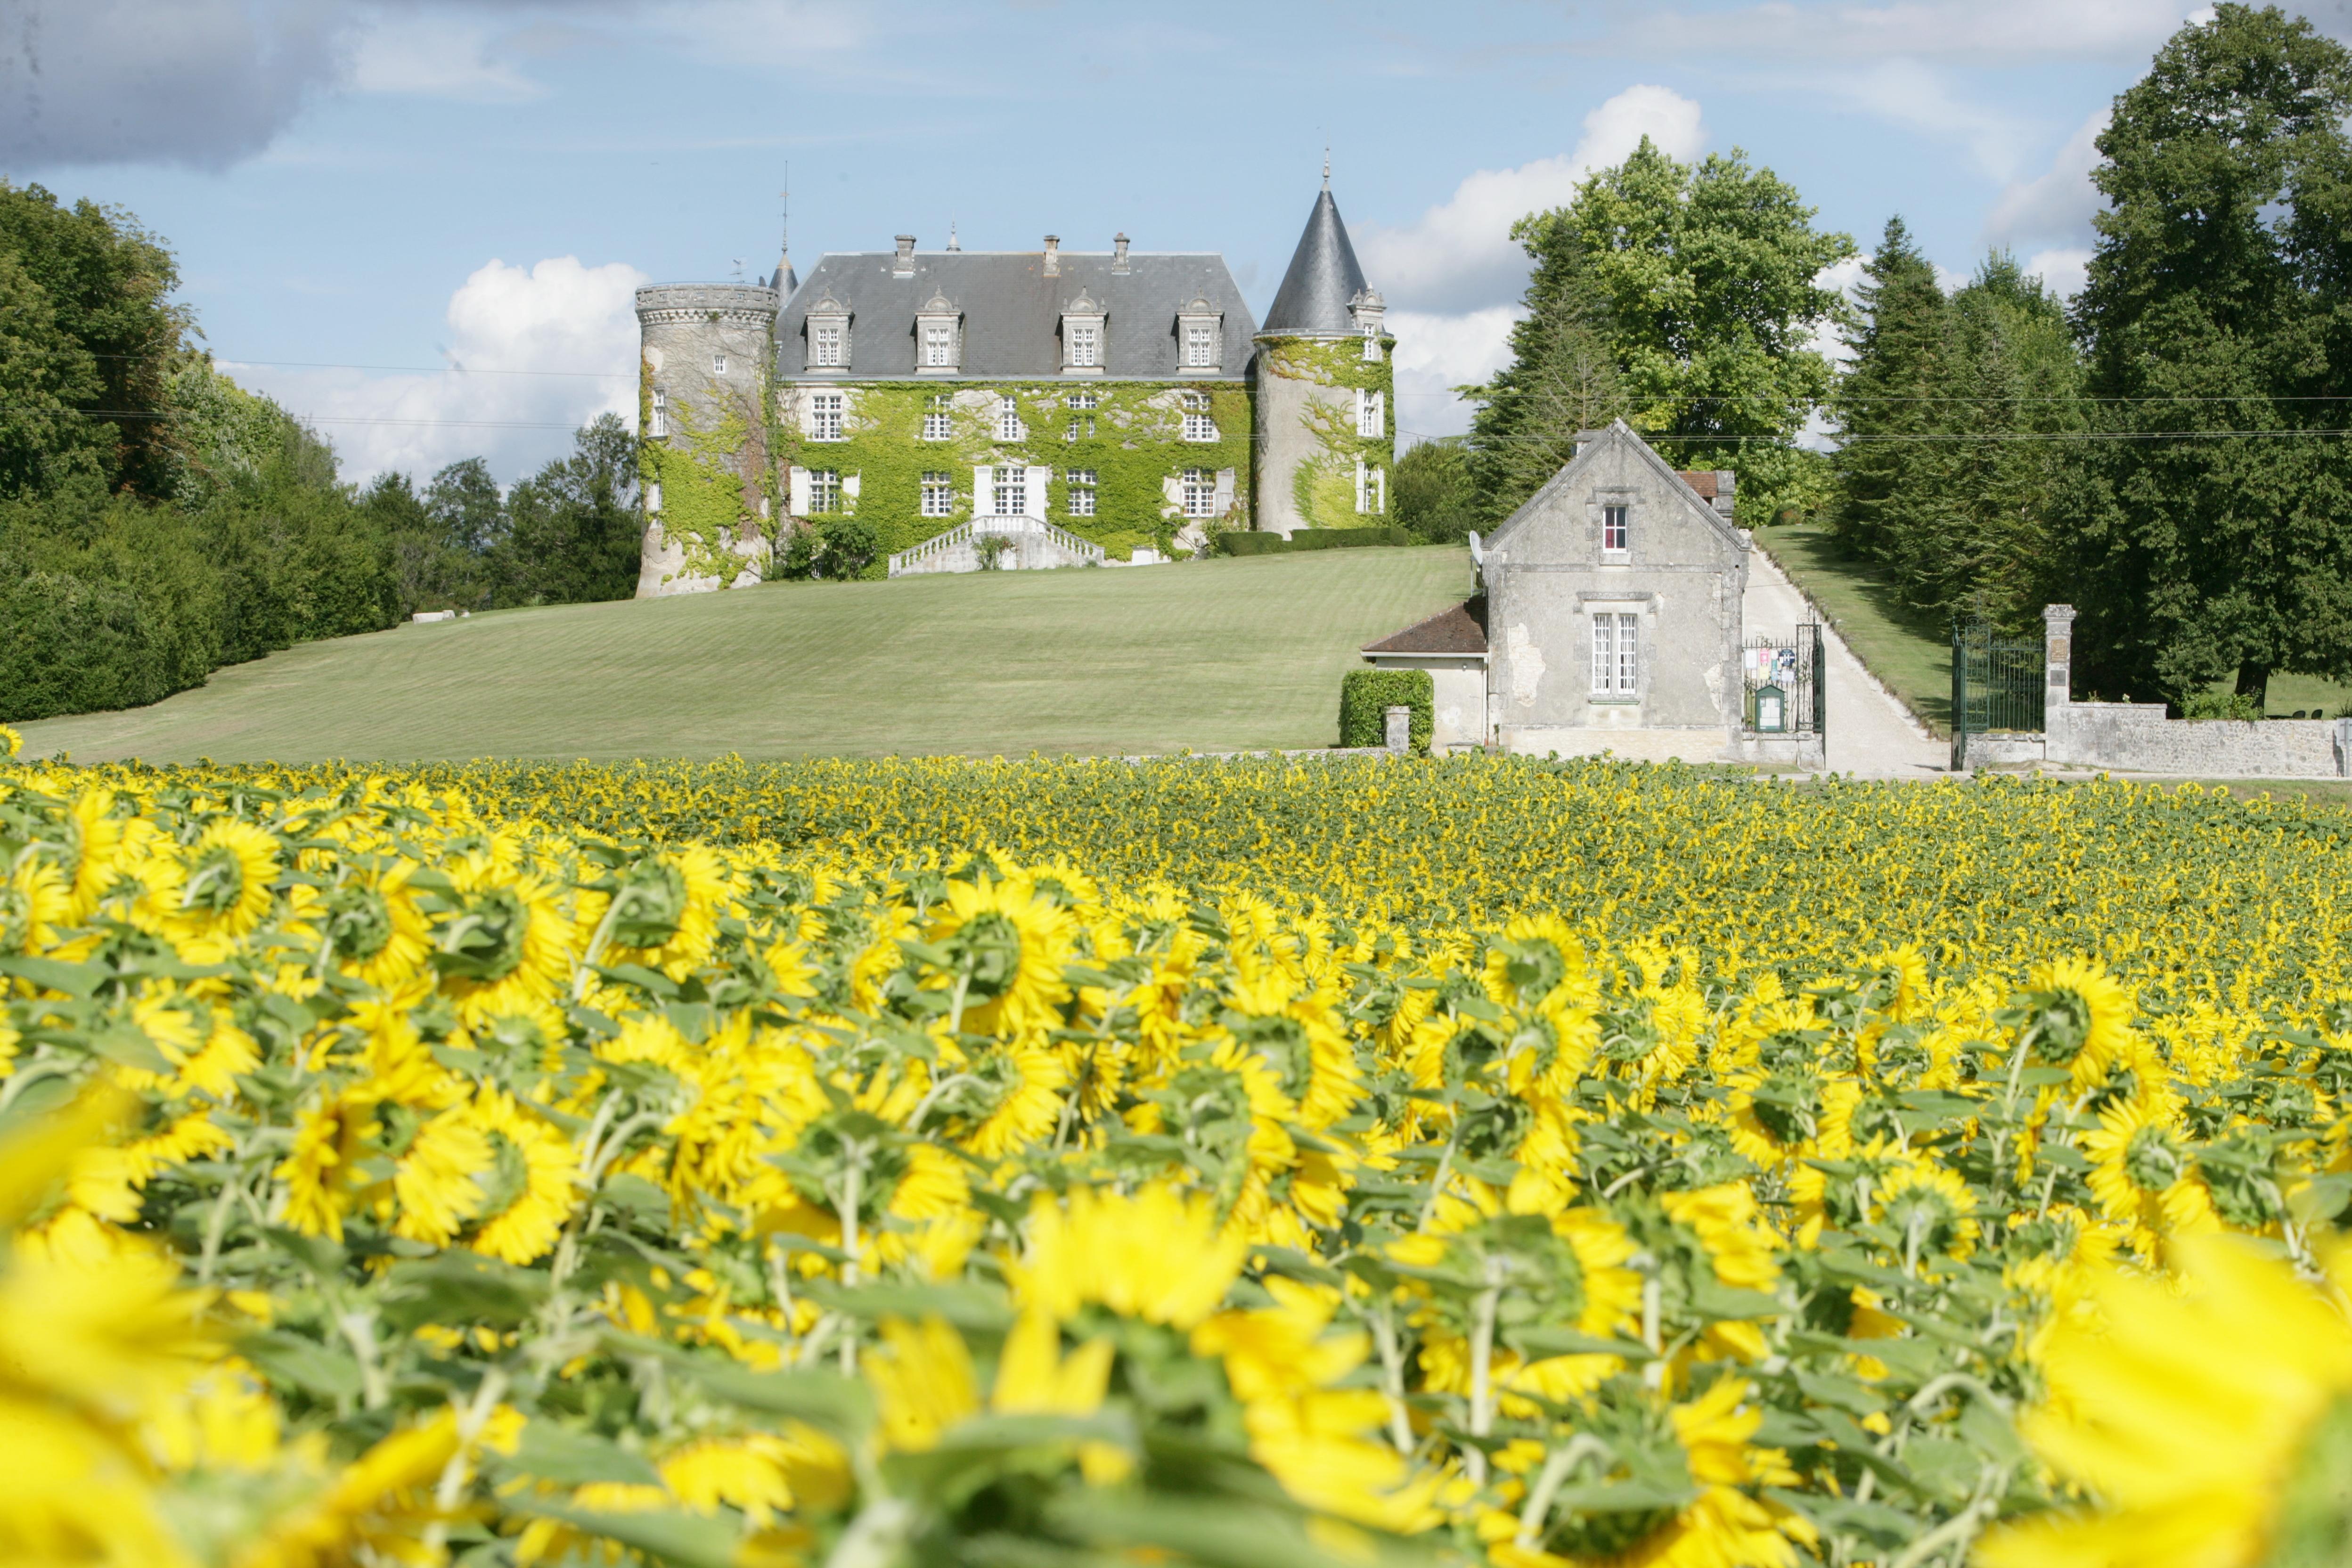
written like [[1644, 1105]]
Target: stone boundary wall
[[2135, 737]]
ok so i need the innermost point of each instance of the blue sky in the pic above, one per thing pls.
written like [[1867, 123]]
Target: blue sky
[[378, 189]]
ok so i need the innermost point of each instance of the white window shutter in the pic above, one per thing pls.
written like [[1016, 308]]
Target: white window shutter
[[1360, 418], [1360, 482], [799, 496], [984, 491], [1038, 479], [1224, 491]]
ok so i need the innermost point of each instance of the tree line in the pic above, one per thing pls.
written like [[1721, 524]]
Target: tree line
[[158, 521], [2167, 451]]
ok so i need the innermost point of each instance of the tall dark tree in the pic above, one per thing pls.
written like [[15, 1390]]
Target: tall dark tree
[[1562, 377], [1436, 499], [1702, 280], [572, 531], [1885, 403], [2220, 305], [93, 289]]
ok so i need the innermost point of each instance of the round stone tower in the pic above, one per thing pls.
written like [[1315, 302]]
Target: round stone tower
[[702, 404], [1325, 424]]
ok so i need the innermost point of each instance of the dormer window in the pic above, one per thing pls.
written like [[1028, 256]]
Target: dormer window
[[828, 334], [1083, 336], [1200, 337], [938, 337], [1370, 313]]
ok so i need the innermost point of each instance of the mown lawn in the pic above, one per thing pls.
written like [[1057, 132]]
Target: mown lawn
[[1910, 655], [1212, 654]]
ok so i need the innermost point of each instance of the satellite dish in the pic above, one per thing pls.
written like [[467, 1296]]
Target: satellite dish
[[1477, 551]]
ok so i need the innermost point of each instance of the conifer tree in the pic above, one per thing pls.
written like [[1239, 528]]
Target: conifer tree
[[1882, 402], [1562, 377]]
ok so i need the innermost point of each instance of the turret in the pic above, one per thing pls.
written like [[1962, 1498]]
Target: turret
[[704, 352], [1325, 426]]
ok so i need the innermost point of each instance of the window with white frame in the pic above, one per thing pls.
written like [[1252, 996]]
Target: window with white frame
[[1199, 345], [824, 417], [1011, 483], [1197, 424], [1371, 413], [938, 422], [1615, 533], [1372, 345], [938, 344], [1616, 653], [1082, 491], [660, 427], [1086, 345], [938, 496], [1199, 493], [718, 365], [824, 489], [1081, 405], [1009, 425], [824, 343]]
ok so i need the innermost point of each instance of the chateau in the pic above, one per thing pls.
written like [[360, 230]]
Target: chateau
[[1017, 408]]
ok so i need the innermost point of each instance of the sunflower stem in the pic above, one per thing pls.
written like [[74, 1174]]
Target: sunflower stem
[[853, 1182], [1482, 1358]]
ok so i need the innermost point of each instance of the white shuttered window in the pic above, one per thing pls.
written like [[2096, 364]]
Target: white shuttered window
[[1616, 653]]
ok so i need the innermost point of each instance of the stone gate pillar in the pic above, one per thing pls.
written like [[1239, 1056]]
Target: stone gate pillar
[[2058, 654]]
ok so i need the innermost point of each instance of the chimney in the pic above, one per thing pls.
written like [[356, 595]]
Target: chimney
[[1052, 256], [1726, 483], [904, 266], [1119, 253]]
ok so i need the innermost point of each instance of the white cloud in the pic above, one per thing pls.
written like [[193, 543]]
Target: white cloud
[[433, 54], [573, 328], [1460, 256], [2056, 205], [1907, 93], [1981, 31], [2066, 271], [1436, 354]]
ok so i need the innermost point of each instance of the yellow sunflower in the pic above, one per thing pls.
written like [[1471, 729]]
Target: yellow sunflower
[[2200, 1419], [1007, 943], [1158, 1254], [219, 888], [534, 1172], [2078, 1017], [508, 948]]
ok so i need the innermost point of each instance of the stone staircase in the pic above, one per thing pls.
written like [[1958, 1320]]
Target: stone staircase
[[1030, 545]]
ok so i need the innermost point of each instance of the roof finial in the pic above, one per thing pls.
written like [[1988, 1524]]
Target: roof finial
[[1326, 165], [784, 212], [953, 243]]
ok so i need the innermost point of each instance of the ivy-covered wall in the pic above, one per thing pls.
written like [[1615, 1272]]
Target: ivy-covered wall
[[1311, 384], [708, 347], [707, 470], [1131, 439]]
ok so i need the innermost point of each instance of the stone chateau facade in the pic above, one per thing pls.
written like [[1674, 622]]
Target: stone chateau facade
[[1008, 408]]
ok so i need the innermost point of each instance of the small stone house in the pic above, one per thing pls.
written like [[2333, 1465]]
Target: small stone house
[[1608, 616]]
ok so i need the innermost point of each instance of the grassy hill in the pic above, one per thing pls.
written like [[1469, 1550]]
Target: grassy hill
[[1212, 654]]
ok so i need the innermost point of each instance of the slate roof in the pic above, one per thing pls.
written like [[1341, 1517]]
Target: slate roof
[[1456, 629], [1012, 312], [1323, 280]]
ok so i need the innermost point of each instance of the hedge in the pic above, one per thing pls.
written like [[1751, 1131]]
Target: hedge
[[1367, 695], [1255, 543]]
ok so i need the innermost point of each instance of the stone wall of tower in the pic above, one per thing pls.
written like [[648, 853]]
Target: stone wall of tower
[[1312, 469], [706, 351]]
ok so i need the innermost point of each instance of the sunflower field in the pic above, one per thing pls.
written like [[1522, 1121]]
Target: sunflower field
[[1242, 1163]]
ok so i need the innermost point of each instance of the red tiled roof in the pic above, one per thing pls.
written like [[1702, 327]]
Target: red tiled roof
[[1700, 480], [1460, 628]]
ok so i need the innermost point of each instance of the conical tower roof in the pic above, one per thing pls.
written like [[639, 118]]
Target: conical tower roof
[[1323, 280]]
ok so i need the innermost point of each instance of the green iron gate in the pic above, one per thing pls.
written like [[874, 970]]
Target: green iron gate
[[1997, 687]]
